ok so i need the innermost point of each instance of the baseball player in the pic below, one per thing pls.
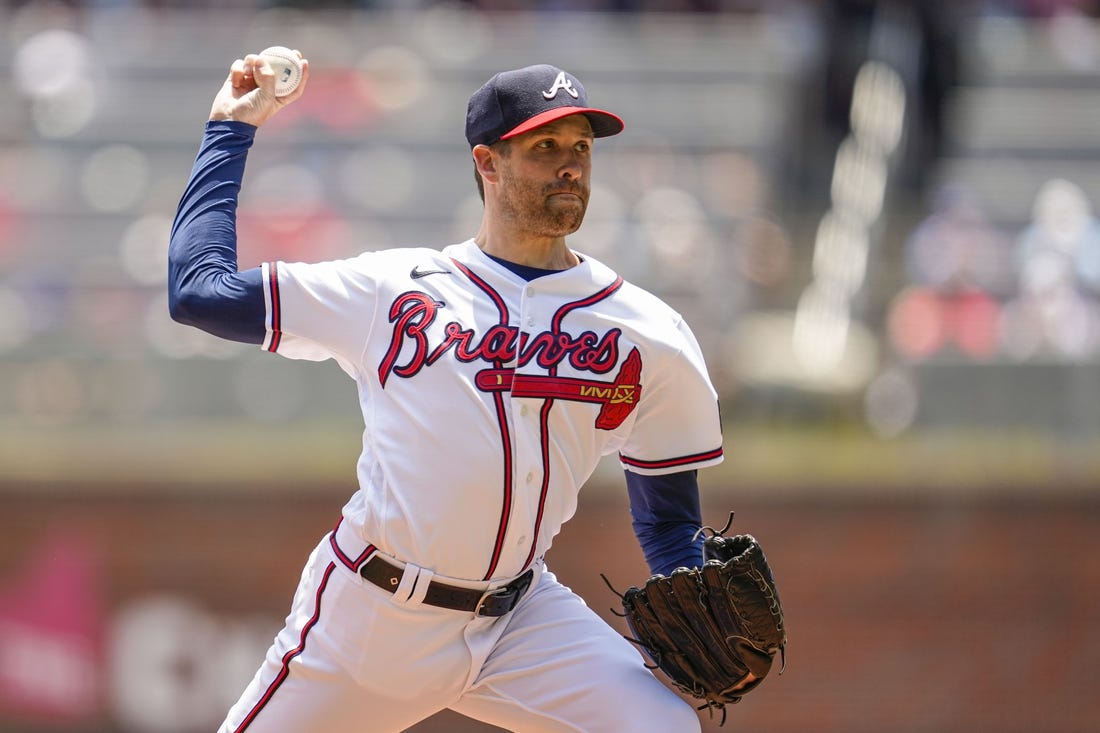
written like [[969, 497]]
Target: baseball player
[[492, 374]]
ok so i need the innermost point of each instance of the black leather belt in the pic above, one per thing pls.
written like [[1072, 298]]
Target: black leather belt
[[493, 602]]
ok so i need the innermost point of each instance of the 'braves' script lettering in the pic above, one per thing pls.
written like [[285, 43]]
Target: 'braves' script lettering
[[411, 348]]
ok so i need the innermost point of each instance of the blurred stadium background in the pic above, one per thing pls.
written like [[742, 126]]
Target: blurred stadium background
[[878, 216]]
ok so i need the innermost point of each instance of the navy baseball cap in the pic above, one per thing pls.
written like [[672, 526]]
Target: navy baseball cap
[[513, 102]]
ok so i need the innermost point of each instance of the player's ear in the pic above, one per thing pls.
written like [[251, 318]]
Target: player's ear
[[485, 160]]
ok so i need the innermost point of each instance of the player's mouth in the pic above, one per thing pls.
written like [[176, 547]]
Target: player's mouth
[[567, 192]]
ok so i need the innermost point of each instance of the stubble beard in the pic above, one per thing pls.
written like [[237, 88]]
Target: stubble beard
[[537, 211]]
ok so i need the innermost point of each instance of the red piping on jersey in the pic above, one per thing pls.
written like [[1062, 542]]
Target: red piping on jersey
[[544, 431], [352, 565], [584, 303], [502, 425], [276, 308], [544, 414], [672, 462], [506, 506], [284, 671]]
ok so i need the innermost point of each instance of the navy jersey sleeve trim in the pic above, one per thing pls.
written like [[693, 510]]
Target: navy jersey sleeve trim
[[638, 463], [666, 516], [271, 282], [204, 287]]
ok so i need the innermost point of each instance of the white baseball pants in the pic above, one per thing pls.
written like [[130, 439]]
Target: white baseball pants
[[353, 658]]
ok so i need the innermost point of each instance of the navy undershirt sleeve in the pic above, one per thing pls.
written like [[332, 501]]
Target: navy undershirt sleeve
[[204, 287], [667, 516]]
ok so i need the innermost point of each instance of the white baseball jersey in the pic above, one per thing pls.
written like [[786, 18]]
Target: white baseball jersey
[[488, 400]]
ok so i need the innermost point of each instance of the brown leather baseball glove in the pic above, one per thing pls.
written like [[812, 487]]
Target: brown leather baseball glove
[[715, 630]]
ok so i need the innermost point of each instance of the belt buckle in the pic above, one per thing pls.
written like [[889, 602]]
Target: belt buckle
[[501, 591], [516, 589]]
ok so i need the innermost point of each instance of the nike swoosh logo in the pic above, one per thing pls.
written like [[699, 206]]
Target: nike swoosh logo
[[416, 273]]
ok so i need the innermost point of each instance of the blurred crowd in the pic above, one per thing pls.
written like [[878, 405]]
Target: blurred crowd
[[977, 291], [717, 211], [1017, 8]]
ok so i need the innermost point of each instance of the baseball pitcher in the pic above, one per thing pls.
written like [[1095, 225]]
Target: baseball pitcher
[[493, 374]]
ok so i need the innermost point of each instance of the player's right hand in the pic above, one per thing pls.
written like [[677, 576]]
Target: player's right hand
[[248, 94]]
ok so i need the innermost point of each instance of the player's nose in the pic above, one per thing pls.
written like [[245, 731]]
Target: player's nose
[[571, 168]]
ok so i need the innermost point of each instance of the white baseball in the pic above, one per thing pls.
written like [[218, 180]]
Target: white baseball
[[287, 67]]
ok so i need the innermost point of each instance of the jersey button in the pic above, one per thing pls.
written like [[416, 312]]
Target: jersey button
[[523, 411], [530, 321], [530, 476], [530, 292]]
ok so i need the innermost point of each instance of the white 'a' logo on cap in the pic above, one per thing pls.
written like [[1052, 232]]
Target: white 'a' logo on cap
[[561, 83]]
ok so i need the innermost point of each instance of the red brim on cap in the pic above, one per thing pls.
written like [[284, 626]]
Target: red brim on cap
[[604, 123]]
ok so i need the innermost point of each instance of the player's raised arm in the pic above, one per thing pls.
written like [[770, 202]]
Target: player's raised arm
[[205, 289]]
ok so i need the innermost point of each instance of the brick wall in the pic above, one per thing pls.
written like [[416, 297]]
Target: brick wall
[[903, 617]]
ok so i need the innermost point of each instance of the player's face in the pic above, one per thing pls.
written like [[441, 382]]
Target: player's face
[[544, 177]]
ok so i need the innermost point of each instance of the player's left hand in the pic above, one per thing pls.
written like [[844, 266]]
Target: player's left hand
[[714, 630], [248, 94]]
